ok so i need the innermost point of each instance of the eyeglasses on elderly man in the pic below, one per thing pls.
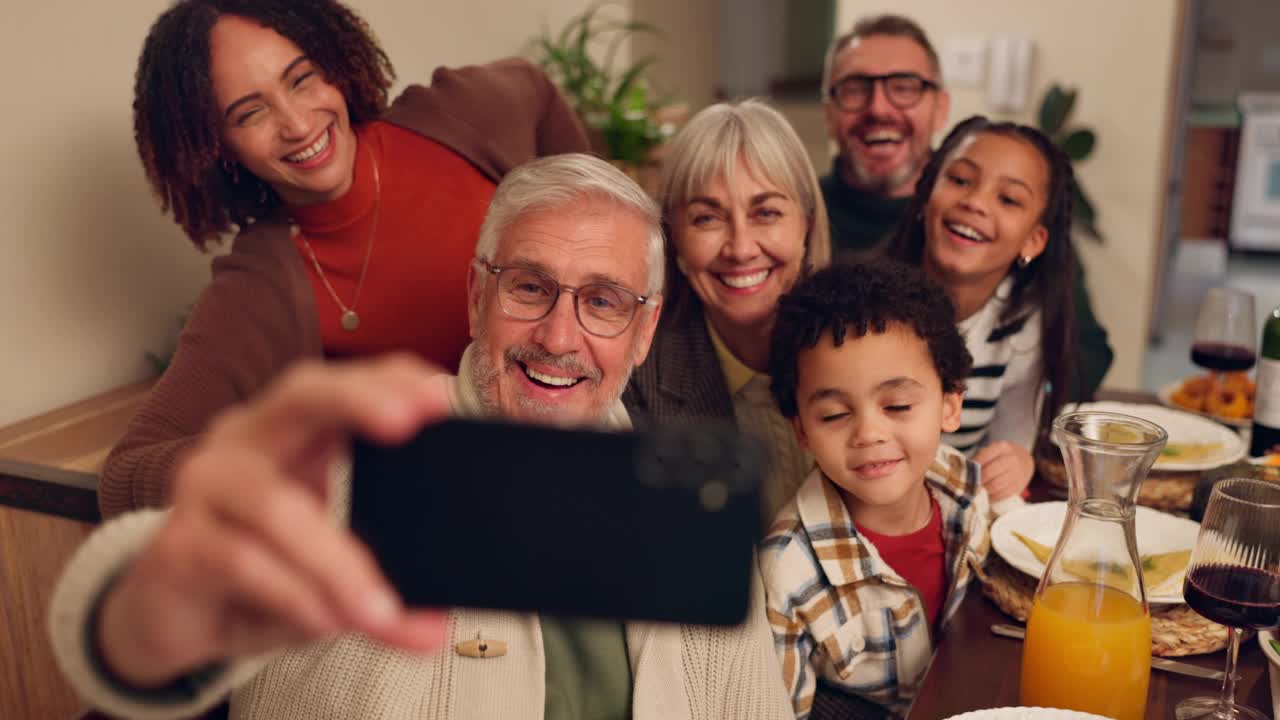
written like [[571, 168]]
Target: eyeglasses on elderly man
[[526, 293]]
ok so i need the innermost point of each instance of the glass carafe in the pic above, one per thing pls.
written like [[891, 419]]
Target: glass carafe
[[1088, 644]]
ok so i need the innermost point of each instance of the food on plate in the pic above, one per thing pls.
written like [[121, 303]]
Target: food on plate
[[1188, 452], [1193, 391], [1040, 550], [1156, 568], [1117, 433], [1239, 382], [1108, 573], [1228, 403], [1162, 566], [1231, 397], [1272, 460]]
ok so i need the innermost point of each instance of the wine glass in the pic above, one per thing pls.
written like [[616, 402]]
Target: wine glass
[[1234, 579], [1226, 338]]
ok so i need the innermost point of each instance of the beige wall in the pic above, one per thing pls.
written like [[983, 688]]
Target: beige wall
[[688, 52], [420, 36], [91, 275], [1120, 55]]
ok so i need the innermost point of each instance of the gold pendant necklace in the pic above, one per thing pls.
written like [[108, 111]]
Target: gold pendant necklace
[[350, 318]]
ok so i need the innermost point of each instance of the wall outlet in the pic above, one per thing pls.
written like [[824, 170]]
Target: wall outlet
[[964, 61]]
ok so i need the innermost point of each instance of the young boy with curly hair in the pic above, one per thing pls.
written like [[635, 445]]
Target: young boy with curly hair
[[873, 554]]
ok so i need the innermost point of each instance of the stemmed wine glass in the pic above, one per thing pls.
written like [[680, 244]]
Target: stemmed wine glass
[[1234, 579], [1226, 338]]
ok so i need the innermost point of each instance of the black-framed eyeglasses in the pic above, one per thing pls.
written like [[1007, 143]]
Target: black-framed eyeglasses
[[603, 309], [904, 90]]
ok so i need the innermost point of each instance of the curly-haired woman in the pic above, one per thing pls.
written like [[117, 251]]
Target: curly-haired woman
[[355, 219]]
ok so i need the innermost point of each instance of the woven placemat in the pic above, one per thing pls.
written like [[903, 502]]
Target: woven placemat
[[1175, 629], [1167, 491]]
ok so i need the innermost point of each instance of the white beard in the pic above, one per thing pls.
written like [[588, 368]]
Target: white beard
[[484, 378]]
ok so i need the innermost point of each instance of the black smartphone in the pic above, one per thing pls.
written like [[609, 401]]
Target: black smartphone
[[652, 525]]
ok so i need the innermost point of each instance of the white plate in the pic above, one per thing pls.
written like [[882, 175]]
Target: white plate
[[1183, 427], [1157, 533], [1272, 655], [1273, 663], [1026, 713], [1165, 393]]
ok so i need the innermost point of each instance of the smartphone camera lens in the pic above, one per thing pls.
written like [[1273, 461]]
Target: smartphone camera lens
[[713, 496]]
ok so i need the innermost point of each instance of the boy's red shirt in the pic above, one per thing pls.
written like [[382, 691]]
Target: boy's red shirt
[[920, 558]]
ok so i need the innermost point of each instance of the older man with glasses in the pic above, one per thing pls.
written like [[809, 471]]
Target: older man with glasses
[[884, 99], [248, 585]]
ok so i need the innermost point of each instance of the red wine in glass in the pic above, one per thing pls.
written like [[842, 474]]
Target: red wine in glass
[[1222, 357], [1235, 596], [1234, 579]]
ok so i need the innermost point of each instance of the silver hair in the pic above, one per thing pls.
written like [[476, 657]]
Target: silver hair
[[553, 182], [720, 138]]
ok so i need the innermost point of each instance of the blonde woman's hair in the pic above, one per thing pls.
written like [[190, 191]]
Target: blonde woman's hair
[[714, 143]]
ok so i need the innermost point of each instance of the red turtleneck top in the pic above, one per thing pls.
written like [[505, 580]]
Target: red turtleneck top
[[429, 212]]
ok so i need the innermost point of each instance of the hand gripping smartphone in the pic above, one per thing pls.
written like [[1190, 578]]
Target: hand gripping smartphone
[[654, 525]]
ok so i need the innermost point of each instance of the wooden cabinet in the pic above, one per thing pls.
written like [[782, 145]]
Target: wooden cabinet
[[1209, 182], [76, 437], [48, 507], [33, 549]]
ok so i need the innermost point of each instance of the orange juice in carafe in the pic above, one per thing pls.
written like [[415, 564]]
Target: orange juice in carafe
[[1088, 644], [1088, 648]]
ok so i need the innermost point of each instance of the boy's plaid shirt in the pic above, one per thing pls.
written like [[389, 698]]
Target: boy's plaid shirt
[[839, 612]]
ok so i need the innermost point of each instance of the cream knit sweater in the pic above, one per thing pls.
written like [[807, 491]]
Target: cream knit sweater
[[679, 671]]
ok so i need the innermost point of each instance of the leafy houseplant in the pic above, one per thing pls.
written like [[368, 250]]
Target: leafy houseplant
[[615, 104], [1077, 144]]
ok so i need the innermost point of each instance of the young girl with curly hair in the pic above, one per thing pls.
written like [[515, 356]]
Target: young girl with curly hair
[[991, 223]]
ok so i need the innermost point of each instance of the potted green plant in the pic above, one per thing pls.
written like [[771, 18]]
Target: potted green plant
[[624, 118], [1076, 143]]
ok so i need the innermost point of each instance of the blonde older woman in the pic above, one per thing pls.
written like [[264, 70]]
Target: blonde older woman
[[745, 219]]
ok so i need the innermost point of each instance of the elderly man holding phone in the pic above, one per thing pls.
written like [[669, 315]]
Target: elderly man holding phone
[[251, 585]]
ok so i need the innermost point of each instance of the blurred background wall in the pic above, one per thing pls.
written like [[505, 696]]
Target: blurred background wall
[[93, 276]]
